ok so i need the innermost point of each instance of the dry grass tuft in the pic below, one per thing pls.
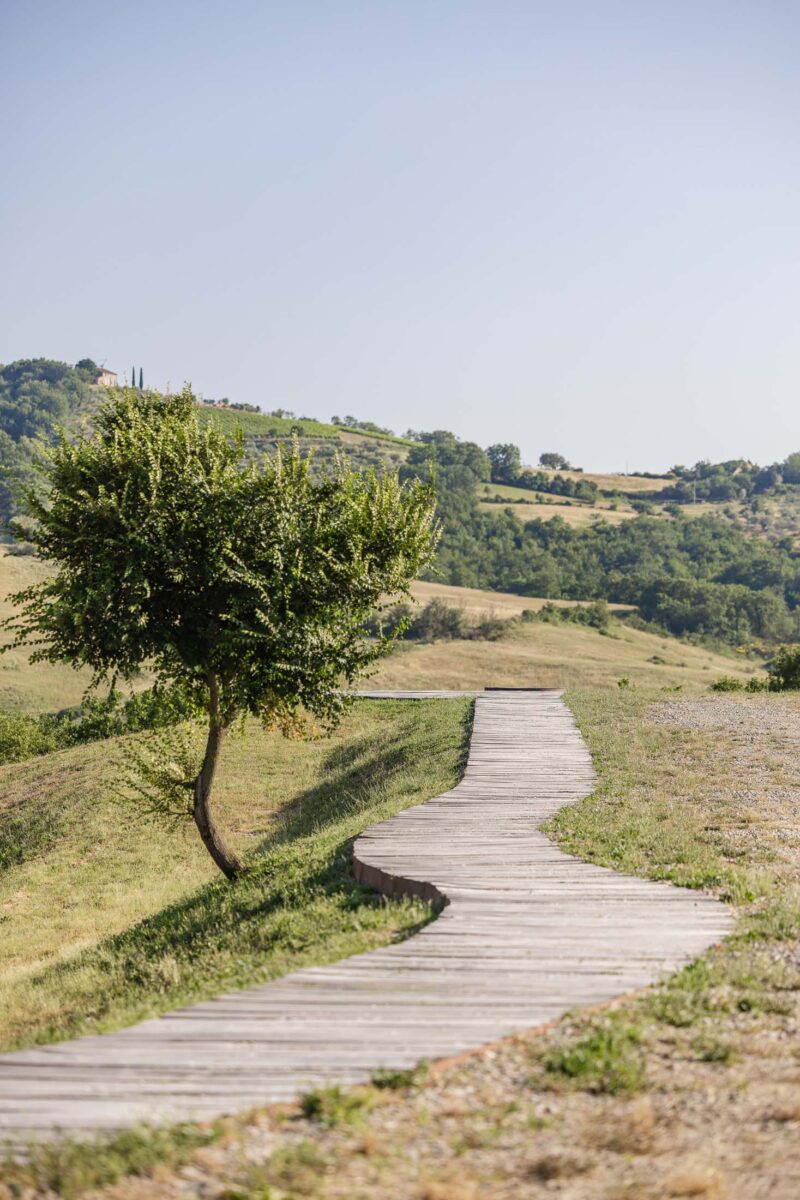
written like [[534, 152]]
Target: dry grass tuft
[[696, 1181], [451, 1189], [628, 1132]]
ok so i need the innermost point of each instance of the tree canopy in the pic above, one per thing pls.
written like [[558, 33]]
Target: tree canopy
[[248, 585]]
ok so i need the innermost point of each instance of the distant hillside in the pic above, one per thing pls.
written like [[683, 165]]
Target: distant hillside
[[705, 552], [37, 396]]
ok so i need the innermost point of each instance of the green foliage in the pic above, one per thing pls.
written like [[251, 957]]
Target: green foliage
[[159, 770], [699, 578], [248, 587], [596, 615], [553, 461], [783, 673], [506, 462], [332, 1106], [169, 551], [36, 395], [361, 426], [736, 479], [438, 621], [607, 1060], [264, 425], [396, 1081], [727, 683], [784, 670], [22, 736]]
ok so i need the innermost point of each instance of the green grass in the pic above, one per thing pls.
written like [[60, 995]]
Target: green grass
[[644, 819], [107, 919], [331, 1106], [608, 1059], [263, 425], [670, 806]]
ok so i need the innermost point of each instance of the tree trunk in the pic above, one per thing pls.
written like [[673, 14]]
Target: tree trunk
[[228, 863]]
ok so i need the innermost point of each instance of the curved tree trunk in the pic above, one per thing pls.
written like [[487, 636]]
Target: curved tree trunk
[[228, 863]]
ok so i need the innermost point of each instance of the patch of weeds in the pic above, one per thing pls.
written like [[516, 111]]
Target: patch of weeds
[[607, 1060], [397, 1081], [68, 1169], [779, 922], [489, 1126], [333, 1106], [294, 1171], [713, 1050], [687, 997]]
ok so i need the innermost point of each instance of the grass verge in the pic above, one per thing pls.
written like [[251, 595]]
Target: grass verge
[[111, 920]]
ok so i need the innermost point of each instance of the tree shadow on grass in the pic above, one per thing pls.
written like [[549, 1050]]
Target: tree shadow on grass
[[356, 774]]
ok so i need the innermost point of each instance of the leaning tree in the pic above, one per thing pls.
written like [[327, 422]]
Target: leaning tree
[[247, 586]]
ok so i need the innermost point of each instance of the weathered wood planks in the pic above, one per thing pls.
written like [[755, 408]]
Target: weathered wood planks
[[526, 933]]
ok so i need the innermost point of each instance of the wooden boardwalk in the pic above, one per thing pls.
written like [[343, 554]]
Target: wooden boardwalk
[[527, 933]]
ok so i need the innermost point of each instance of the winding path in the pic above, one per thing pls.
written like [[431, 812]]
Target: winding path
[[527, 933]]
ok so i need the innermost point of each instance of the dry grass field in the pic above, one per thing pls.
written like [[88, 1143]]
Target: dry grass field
[[490, 604], [26, 686], [576, 515], [540, 654], [628, 485]]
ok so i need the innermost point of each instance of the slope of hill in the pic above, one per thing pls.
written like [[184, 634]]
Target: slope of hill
[[37, 396], [544, 654], [732, 574]]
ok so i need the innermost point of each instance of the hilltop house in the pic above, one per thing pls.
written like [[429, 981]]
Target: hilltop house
[[105, 378]]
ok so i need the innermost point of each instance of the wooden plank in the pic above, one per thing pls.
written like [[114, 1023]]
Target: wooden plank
[[526, 933]]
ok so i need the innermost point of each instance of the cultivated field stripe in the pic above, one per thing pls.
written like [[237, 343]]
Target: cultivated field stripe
[[527, 932]]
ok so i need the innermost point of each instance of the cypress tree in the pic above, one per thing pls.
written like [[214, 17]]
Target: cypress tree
[[141, 380], [133, 377]]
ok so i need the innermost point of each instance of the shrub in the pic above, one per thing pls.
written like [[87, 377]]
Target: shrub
[[784, 670], [608, 1060], [438, 621], [727, 683], [24, 737]]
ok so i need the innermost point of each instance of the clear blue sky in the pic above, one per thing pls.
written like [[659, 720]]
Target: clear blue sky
[[575, 226]]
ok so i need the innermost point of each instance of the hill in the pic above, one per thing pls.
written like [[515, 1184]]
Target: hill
[[551, 653], [703, 552], [107, 919], [37, 396]]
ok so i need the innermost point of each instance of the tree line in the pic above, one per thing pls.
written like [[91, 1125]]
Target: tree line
[[696, 576]]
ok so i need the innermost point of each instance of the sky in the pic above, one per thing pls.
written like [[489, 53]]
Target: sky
[[573, 226]]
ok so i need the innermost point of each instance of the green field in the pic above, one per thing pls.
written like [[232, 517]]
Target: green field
[[262, 425]]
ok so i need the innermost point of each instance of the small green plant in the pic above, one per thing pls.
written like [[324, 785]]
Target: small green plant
[[727, 683], [712, 1050], [624, 682], [333, 1106], [608, 1060], [399, 1080]]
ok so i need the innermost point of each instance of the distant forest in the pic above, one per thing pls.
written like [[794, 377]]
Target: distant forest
[[693, 576]]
